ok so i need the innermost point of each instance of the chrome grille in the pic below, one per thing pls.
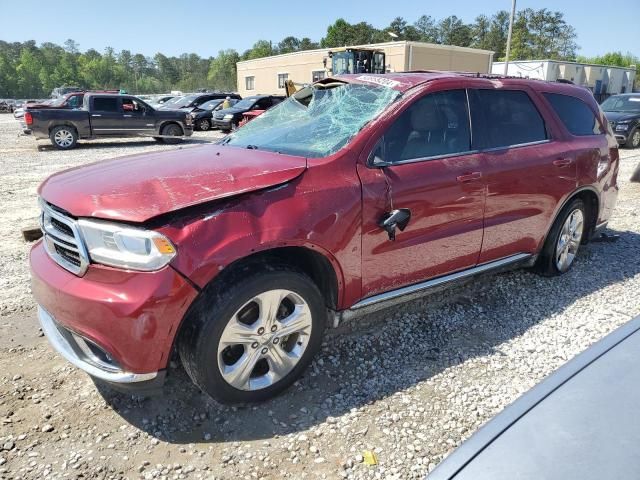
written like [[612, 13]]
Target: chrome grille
[[62, 240]]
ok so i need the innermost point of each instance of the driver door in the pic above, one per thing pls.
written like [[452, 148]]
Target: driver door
[[431, 169]]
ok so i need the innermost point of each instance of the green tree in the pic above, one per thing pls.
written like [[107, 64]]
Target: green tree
[[427, 29], [222, 70], [288, 45], [453, 31]]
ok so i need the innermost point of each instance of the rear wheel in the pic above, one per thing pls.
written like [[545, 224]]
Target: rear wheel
[[252, 339], [171, 130], [563, 241], [64, 137]]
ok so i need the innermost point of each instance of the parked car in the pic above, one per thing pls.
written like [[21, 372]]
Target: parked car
[[623, 113], [62, 91], [354, 194], [196, 99], [229, 118], [250, 115], [580, 422], [202, 115], [106, 115]]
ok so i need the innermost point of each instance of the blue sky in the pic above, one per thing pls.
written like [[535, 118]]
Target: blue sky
[[145, 26]]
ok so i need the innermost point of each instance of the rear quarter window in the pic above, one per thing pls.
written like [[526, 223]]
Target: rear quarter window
[[575, 114]]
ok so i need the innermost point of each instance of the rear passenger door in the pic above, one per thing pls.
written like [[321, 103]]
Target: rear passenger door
[[527, 168], [106, 115]]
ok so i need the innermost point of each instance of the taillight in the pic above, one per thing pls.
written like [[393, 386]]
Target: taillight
[[28, 119]]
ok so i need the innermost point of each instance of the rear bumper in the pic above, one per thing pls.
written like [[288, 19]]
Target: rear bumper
[[116, 325]]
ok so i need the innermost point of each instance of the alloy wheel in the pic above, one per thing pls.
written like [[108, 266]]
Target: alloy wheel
[[63, 138], [569, 240], [204, 125], [264, 340], [635, 139]]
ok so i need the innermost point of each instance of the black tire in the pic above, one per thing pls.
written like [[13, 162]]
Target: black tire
[[547, 263], [633, 140], [171, 130], [200, 337], [158, 139], [63, 137], [204, 125]]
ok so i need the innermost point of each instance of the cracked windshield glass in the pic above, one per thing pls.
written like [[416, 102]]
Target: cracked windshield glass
[[316, 121]]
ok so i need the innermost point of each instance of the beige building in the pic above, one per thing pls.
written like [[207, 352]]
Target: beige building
[[267, 75]]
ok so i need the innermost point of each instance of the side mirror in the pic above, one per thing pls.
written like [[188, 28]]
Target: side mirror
[[395, 219]]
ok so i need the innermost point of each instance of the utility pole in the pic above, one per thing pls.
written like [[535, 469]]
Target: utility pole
[[506, 59]]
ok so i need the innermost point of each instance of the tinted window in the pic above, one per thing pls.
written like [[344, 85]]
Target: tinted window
[[510, 118], [437, 124], [105, 104], [575, 114]]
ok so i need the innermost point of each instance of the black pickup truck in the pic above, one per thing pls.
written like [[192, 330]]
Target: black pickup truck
[[107, 115]]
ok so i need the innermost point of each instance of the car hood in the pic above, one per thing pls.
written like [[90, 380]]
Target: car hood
[[137, 188], [620, 116], [232, 110]]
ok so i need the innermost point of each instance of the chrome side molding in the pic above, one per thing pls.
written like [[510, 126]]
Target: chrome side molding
[[410, 292]]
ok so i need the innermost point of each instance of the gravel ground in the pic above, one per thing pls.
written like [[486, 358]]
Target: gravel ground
[[409, 384]]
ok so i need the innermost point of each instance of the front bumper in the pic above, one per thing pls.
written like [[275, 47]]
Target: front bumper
[[83, 355], [116, 325], [223, 124]]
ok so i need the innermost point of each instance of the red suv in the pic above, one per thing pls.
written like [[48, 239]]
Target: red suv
[[356, 193]]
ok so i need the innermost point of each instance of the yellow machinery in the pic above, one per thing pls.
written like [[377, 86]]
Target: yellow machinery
[[357, 60]]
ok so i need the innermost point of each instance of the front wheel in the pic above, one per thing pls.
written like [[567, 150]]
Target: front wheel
[[63, 137], [172, 130], [634, 139], [564, 239], [252, 339], [204, 125]]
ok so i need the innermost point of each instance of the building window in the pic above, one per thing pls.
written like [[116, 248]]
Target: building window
[[317, 75], [282, 78], [250, 83]]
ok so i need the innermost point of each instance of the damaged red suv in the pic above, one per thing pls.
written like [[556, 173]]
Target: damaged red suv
[[358, 192]]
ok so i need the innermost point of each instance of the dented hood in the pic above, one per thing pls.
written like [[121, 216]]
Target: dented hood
[[139, 187]]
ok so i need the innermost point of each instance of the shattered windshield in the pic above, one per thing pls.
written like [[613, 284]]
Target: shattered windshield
[[316, 121]]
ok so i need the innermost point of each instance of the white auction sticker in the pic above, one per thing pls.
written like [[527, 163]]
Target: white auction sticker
[[386, 82]]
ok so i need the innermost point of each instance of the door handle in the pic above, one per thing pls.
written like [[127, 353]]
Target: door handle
[[470, 177], [127, 116], [96, 115], [563, 162]]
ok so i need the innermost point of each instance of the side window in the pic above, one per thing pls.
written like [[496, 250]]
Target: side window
[[510, 118], [105, 104], [263, 103], [436, 124], [575, 114], [129, 105]]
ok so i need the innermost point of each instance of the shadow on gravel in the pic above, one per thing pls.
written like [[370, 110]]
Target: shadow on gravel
[[379, 356], [88, 145]]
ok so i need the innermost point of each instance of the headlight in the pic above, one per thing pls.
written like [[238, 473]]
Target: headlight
[[622, 126], [228, 116], [126, 247]]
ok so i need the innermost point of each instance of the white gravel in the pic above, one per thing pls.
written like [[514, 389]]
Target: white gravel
[[409, 384]]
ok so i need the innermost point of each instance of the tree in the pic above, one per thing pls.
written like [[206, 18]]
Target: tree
[[342, 34], [307, 44], [288, 45], [453, 31], [260, 49], [222, 71], [426, 28]]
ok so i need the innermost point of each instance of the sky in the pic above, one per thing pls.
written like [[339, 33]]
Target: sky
[[205, 27]]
